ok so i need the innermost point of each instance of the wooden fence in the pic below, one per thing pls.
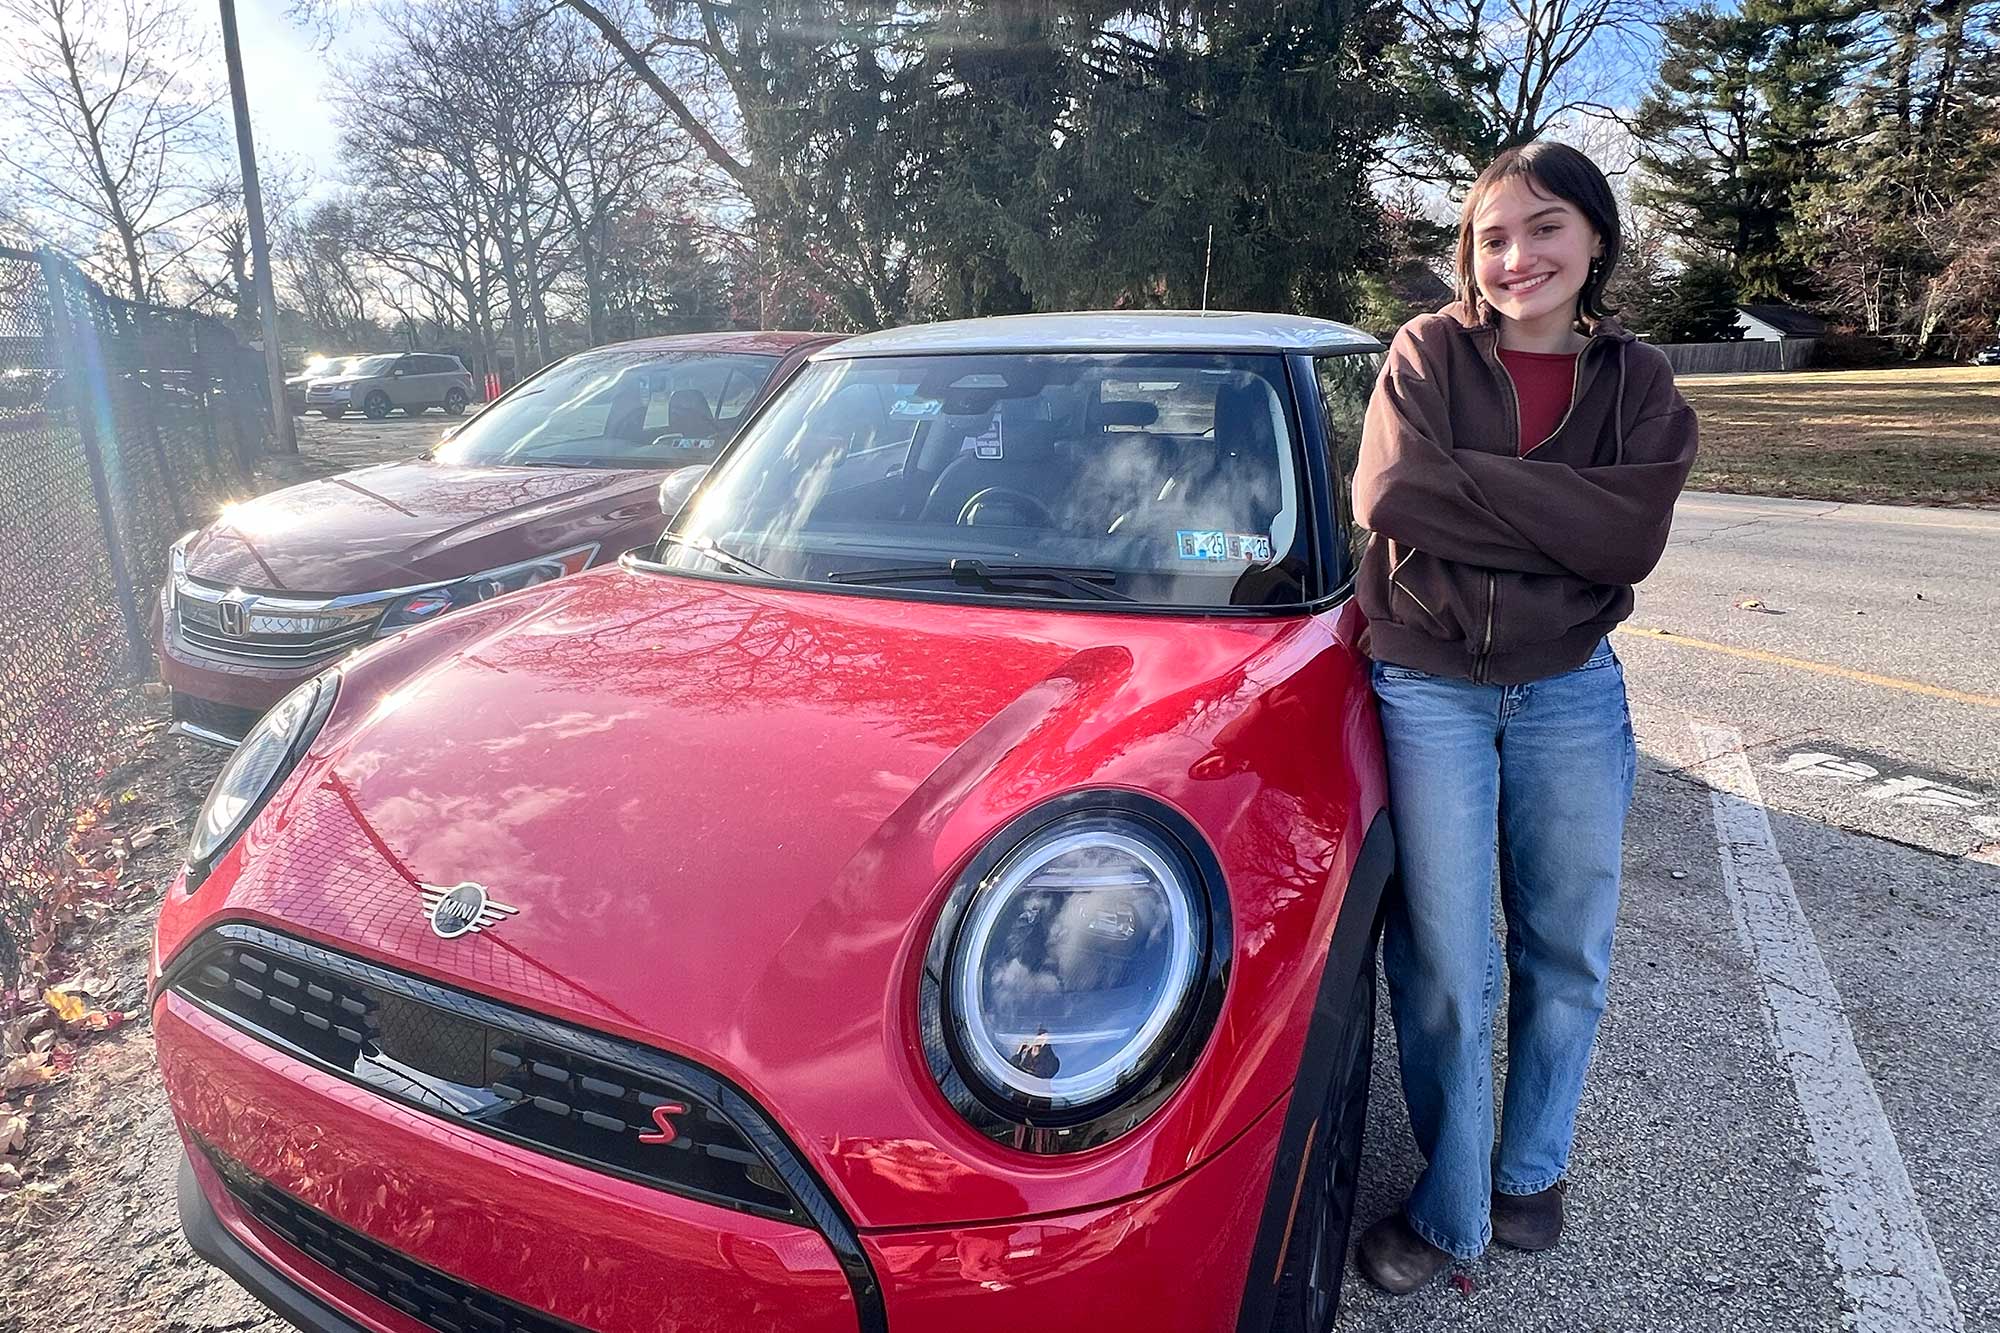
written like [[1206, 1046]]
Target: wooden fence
[[1739, 358]]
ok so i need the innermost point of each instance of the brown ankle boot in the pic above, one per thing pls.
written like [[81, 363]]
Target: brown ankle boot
[[1395, 1258], [1529, 1221]]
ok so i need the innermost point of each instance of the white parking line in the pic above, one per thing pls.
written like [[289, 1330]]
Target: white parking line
[[1875, 1230]]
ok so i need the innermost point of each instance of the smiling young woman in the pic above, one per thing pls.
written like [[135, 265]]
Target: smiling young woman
[[1518, 471]]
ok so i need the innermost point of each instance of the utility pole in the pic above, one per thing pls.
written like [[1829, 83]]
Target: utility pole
[[260, 250]]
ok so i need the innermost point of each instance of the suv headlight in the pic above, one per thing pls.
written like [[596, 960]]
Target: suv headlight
[[427, 604], [270, 752], [1076, 972], [177, 567]]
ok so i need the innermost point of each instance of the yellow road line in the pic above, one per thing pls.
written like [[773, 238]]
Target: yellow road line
[[1822, 668]]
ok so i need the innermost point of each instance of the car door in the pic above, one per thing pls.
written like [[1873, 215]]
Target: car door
[[400, 383]]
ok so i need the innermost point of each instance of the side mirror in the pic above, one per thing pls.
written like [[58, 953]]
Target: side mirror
[[676, 489]]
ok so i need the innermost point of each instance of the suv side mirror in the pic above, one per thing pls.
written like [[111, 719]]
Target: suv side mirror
[[676, 489]]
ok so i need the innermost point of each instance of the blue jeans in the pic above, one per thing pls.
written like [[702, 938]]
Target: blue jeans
[[1536, 778]]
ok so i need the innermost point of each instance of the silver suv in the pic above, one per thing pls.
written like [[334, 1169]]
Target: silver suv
[[378, 385]]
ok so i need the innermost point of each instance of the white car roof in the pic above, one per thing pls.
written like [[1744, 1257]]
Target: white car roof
[[1112, 331]]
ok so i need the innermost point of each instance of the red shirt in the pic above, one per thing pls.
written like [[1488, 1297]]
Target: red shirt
[[1544, 383]]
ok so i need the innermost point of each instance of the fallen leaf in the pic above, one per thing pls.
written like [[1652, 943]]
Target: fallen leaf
[[1466, 1286], [69, 1006], [62, 1058], [13, 1132], [10, 1177], [25, 1071], [95, 984]]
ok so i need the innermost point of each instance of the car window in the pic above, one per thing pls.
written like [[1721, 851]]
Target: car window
[[612, 408], [1173, 475], [372, 365], [1345, 385]]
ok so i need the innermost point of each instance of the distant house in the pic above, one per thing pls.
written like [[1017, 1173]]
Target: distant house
[[1416, 283], [1778, 323]]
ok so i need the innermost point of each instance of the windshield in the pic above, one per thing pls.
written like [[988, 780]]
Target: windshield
[[1165, 479], [325, 366], [618, 409], [368, 365]]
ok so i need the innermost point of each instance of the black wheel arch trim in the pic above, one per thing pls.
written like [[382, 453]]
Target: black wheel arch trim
[[1353, 946]]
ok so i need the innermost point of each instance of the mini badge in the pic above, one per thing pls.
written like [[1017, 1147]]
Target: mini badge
[[461, 909]]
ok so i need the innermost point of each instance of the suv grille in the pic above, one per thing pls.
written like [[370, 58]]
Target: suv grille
[[272, 634], [558, 1089], [435, 1300]]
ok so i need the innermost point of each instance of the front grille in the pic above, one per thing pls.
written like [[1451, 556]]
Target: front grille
[[270, 637], [222, 719], [558, 1089], [434, 1299]]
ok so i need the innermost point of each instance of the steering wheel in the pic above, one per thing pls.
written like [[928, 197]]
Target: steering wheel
[[1039, 514]]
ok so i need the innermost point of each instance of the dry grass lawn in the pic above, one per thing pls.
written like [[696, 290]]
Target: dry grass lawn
[[1921, 436]]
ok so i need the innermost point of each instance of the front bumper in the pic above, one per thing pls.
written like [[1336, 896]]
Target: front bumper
[[218, 687], [607, 1255]]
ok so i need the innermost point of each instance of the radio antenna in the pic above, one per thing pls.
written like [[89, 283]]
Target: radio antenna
[[1206, 260]]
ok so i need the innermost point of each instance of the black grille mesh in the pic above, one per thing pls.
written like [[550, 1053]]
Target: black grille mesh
[[434, 1299], [548, 1086]]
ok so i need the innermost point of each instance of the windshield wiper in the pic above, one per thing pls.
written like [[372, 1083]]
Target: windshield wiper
[[708, 548], [979, 574]]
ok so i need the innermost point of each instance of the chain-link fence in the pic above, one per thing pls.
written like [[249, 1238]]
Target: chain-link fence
[[121, 426]]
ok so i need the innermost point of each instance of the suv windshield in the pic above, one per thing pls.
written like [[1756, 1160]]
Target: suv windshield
[[370, 365], [1164, 479], [618, 409]]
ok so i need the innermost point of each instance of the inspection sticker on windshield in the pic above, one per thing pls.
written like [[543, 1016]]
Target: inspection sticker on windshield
[[986, 444], [1223, 546], [916, 407]]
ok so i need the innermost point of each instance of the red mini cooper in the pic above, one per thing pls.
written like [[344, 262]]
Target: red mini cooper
[[934, 892], [558, 475]]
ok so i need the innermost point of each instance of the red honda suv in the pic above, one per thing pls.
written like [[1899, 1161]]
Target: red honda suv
[[934, 891], [560, 473]]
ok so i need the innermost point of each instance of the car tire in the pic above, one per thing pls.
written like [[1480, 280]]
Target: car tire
[[454, 403], [377, 405], [333, 413], [1309, 1282]]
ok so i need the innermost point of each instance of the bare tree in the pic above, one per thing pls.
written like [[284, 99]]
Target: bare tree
[[322, 258], [115, 144], [1488, 74]]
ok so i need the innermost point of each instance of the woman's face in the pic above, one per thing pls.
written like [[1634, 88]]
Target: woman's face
[[1531, 252]]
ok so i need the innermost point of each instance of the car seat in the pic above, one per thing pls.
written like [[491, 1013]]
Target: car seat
[[688, 414], [1026, 463]]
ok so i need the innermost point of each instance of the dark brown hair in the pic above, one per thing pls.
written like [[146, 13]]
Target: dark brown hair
[[1552, 170]]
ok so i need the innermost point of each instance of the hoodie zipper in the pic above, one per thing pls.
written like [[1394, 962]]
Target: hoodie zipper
[[1492, 596]]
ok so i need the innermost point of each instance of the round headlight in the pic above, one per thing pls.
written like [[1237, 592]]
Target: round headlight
[[253, 772], [1071, 969]]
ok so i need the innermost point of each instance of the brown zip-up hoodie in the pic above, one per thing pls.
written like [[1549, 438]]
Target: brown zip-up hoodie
[[1489, 566]]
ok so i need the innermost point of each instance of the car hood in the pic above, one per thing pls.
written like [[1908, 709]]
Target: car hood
[[401, 524], [727, 817]]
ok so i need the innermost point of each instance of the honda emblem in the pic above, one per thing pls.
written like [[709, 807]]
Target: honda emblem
[[231, 613]]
